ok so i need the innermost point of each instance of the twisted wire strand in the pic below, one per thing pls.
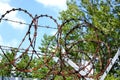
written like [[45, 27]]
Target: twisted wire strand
[[19, 22]]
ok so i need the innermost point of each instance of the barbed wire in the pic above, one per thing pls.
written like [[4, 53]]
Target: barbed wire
[[19, 22], [76, 48], [8, 48]]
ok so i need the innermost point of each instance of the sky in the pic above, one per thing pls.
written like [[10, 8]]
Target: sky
[[11, 33]]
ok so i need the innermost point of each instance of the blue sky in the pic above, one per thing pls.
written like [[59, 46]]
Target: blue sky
[[11, 34]]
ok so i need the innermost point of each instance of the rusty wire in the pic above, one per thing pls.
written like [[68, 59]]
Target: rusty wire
[[19, 22], [71, 46]]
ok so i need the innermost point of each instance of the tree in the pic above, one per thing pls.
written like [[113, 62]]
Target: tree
[[6, 70], [105, 16], [89, 25]]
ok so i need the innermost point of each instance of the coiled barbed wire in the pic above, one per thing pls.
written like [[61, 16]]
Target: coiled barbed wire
[[77, 49]]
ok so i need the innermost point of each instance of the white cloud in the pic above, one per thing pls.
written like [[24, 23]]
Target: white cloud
[[1, 39], [53, 32], [59, 4], [5, 0], [12, 43], [4, 6]]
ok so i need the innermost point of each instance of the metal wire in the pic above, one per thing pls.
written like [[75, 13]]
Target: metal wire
[[19, 22]]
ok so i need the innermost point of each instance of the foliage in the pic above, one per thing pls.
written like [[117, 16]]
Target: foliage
[[6, 70], [111, 77]]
